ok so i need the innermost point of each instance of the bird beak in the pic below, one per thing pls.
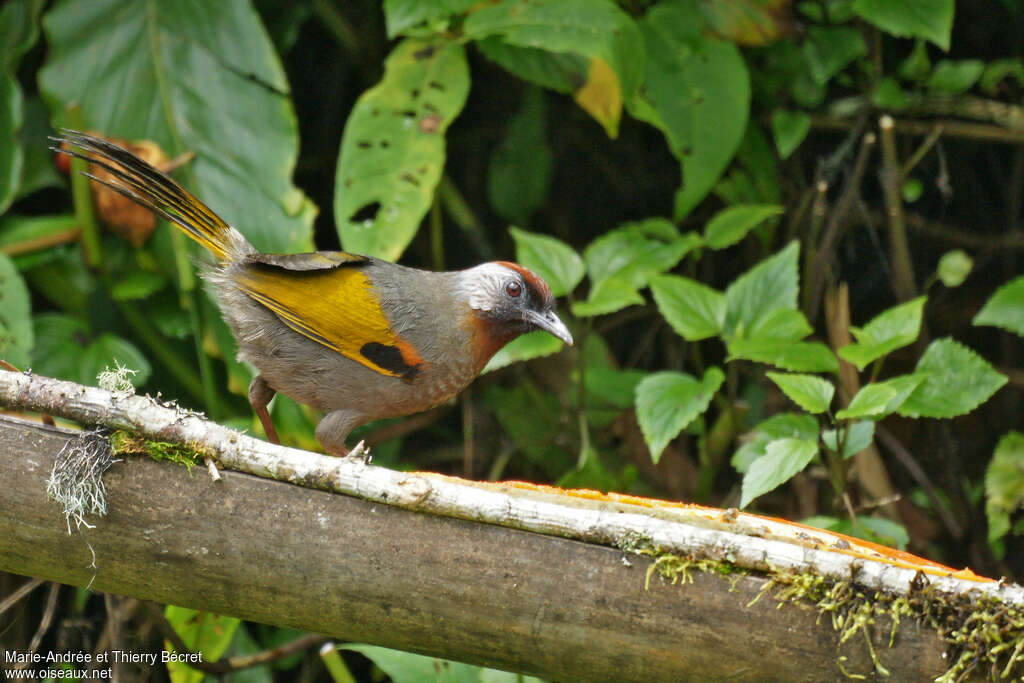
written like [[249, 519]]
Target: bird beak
[[549, 322]]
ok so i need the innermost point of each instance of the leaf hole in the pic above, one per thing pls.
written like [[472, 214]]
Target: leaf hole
[[436, 86], [363, 144], [385, 144], [425, 53], [366, 212], [409, 178]]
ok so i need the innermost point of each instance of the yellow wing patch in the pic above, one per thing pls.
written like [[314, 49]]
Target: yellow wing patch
[[335, 307]]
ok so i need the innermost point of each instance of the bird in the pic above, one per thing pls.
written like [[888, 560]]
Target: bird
[[354, 336]]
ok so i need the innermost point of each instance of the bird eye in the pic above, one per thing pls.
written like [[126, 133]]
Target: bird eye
[[513, 289]]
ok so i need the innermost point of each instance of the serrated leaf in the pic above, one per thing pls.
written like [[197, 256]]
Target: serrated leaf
[[526, 347], [955, 77], [608, 296], [954, 267], [694, 310], [859, 436], [1004, 484], [770, 285], [878, 399], [666, 402], [958, 381], [890, 330], [789, 129], [782, 426], [150, 74], [697, 92], [551, 258], [730, 225], [785, 354], [16, 336], [782, 323], [928, 19], [393, 148], [783, 458], [1005, 308], [811, 393], [519, 171], [595, 29]]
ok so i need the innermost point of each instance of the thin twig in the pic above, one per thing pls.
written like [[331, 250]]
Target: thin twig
[[22, 591], [950, 127], [921, 151], [44, 625], [892, 187]]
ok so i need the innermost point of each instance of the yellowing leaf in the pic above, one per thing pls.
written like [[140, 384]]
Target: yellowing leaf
[[601, 96]]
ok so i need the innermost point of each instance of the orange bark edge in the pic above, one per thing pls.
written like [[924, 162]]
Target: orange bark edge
[[794, 532]]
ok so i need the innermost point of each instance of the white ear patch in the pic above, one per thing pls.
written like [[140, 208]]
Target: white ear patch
[[484, 284]]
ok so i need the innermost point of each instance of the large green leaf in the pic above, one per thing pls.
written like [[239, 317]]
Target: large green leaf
[[666, 402], [890, 330], [203, 632], [64, 350], [559, 71], [393, 149], [402, 16], [595, 29], [694, 310], [18, 32], [811, 393], [551, 258], [928, 19], [1005, 308], [1004, 484], [878, 399], [782, 459], [782, 426], [191, 76], [795, 356], [958, 381], [531, 345], [770, 285], [697, 92], [15, 316]]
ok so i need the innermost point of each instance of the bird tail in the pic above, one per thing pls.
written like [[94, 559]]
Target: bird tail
[[150, 187]]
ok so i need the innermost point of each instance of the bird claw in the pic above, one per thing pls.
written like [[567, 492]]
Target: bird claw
[[360, 453]]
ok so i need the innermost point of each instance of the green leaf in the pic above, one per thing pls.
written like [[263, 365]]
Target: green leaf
[[59, 345], [890, 330], [694, 310], [612, 385], [530, 345], [859, 436], [878, 399], [770, 285], [889, 95], [928, 19], [789, 128], [666, 402], [137, 284], [520, 168], [393, 148], [874, 529], [551, 258], [110, 351], [406, 667], [151, 74], [748, 22], [782, 323], [997, 71], [785, 354], [203, 632], [830, 48], [595, 29], [38, 171], [811, 393], [954, 267], [608, 296], [1004, 484], [562, 72], [401, 16], [955, 77], [730, 225], [1005, 308], [782, 426], [959, 380], [16, 335], [917, 66], [12, 156], [697, 92], [783, 458], [912, 190]]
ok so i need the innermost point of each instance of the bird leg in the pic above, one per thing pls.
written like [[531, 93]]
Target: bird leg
[[334, 429], [260, 394]]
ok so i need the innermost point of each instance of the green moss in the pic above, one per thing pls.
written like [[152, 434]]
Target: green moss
[[126, 443], [985, 636]]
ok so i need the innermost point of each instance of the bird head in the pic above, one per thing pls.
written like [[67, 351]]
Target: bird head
[[507, 300]]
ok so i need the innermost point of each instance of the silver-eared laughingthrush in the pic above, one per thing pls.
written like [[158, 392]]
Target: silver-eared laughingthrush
[[353, 336]]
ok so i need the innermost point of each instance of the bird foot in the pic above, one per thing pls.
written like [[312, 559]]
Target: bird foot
[[360, 453]]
